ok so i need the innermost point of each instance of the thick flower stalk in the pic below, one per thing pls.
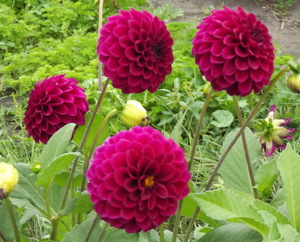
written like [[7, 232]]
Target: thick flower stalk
[[136, 179], [136, 51], [234, 51], [53, 103], [134, 114], [271, 131], [9, 178]]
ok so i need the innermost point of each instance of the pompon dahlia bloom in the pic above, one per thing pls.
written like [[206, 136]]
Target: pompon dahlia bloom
[[53, 103], [234, 51], [136, 50], [9, 178], [271, 132], [136, 179]]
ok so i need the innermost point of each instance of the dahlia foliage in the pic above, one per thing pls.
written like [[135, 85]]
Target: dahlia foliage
[[136, 179], [273, 131], [53, 103], [136, 50], [234, 51]]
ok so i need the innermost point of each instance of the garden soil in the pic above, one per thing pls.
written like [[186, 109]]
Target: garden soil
[[285, 30]]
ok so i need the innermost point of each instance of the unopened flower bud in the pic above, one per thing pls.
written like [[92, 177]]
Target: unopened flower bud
[[293, 83], [9, 177], [36, 167], [134, 114]]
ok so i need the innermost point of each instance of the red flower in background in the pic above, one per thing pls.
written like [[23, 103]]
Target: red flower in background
[[234, 51], [54, 102], [136, 50], [136, 179]]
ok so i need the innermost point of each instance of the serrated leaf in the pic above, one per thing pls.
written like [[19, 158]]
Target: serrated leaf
[[234, 170], [92, 133], [288, 165], [47, 175], [223, 118], [233, 232], [56, 145], [230, 205]]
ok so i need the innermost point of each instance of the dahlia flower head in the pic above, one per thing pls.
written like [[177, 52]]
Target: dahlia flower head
[[9, 178], [53, 103], [234, 51], [136, 51], [136, 179], [273, 132]]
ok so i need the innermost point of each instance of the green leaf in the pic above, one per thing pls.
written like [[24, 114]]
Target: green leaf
[[223, 118], [6, 226], [189, 206], [234, 170], [26, 188], [83, 203], [56, 145], [79, 232], [230, 205], [47, 174], [265, 177], [288, 165], [233, 232], [92, 133]]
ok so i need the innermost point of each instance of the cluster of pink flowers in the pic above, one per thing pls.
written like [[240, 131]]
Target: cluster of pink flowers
[[137, 177]]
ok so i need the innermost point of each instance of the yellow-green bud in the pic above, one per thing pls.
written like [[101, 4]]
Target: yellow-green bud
[[9, 177], [36, 167], [134, 114], [293, 83]]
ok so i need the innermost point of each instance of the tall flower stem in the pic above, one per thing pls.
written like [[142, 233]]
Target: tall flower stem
[[2, 236], [191, 159], [102, 232], [104, 122], [88, 235], [86, 132], [247, 156], [162, 233], [100, 17], [12, 219], [252, 114]]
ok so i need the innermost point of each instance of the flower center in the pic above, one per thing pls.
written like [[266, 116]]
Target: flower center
[[157, 49], [149, 181]]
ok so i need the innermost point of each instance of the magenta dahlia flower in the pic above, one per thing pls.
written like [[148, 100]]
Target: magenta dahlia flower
[[136, 50], [234, 51], [271, 132], [54, 102], [136, 179]]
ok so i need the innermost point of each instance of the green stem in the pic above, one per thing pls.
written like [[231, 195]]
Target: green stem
[[100, 17], [54, 223], [104, 122], [191, 225], [247, 156], [2, 236], [191, 160], [102, 232], [82, 144], [273, 82], [161, 233], [252, 114], [91, 228], [12, 219]]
